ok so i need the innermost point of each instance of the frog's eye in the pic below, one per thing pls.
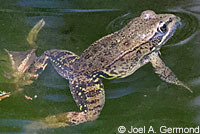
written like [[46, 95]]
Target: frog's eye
[[170, 20], [163, 28]]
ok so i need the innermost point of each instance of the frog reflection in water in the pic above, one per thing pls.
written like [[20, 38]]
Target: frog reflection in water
[[116, 55]]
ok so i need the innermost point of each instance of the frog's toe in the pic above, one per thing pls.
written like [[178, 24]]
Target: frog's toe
[[27, 82], [183, 85], [32, 36], [32, 76], [56, 121], [34, 127]]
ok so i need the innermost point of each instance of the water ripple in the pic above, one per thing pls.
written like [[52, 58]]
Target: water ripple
[[182, 42], [56, 11], [186, 33], [112, 94], [196, 101], [194, 8], [56, 98], [22, 125], [52, 21], [120, 21], [195, 82], [42, 4]]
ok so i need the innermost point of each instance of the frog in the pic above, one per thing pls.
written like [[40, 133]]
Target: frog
[[22, 60], [113, 56]]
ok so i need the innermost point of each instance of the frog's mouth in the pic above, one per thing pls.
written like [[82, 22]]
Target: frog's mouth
[[162, 38], [171, 32]]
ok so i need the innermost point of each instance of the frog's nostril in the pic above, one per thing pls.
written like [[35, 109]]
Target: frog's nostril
[[170, 20], [178, 18], [179, 24]]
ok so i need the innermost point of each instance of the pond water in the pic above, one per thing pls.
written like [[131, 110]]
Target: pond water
[[139, 100]]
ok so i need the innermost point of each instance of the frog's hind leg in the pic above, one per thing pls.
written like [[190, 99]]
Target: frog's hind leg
[[20, 60], [89, 96], [164, 72], [60, 59]]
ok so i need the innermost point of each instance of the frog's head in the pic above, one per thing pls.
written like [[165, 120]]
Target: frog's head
[[162, 26], [151, 27]]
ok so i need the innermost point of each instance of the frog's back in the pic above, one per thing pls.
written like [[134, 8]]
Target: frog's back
[[109, 48]]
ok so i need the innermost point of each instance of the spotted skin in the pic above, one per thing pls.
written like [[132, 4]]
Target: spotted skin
[[116, 55], [130, 62], [62, 62], [87, 91], [60, 59], [89, 97]]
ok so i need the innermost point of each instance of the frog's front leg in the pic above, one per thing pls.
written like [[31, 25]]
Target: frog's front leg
[[164, 72]]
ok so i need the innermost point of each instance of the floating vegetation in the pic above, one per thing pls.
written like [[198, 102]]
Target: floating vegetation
[[4, 95]]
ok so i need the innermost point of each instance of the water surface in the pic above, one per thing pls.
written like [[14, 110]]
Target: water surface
[[141, 99]]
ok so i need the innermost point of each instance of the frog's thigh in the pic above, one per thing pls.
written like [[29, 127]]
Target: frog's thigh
[[89, 97], [61, 61], [164, 72]]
